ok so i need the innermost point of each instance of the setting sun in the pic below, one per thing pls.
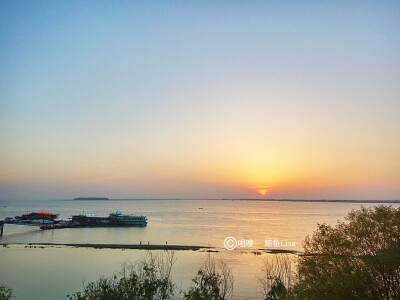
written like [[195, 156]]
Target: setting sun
[[263, 191]]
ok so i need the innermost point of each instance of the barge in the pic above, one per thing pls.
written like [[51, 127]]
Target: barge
[[37, 216], [90, 220], [34, 218]]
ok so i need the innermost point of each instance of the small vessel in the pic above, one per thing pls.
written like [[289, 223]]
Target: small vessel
[[10, 220], [131, 220], [113, 220]]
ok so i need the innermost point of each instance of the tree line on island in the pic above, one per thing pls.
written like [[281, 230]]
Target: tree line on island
[[356, 259], [91, 198]]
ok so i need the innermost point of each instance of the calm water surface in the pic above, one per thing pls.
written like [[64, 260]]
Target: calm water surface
[[53, 272]]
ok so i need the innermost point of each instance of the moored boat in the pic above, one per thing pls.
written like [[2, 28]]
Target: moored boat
[[37, 216], [130, 220], [113, 220]]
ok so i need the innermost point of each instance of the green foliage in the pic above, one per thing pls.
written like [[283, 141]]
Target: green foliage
[[5, 293], [277, 291], [211, 282], [275, 276], [357, 259], [147, 280]]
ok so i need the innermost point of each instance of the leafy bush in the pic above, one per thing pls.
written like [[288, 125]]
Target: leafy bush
[[147, 280], [277, 291], [5, 293], [356, 259], [213, 282], [276, 276], [359, 259]]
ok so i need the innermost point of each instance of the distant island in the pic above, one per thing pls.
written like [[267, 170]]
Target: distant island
[[91, 198]]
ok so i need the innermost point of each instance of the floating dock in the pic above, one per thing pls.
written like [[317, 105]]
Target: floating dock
[[48, 221]]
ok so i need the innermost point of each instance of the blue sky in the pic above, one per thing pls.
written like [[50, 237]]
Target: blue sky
[[199, 99]]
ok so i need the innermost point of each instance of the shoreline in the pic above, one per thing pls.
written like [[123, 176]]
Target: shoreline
[[115, 246], [154, 247]]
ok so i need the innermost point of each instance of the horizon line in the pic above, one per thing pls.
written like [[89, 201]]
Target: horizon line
[[247, 199]]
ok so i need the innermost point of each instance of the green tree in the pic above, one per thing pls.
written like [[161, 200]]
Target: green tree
[[275, 276], [146, 280], [5, 293], [277, 291], [213, 282], [356, 259]]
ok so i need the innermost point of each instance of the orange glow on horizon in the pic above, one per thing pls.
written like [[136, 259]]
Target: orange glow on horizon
[[262, 191]]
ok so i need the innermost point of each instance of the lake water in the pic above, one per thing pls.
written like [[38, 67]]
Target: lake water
[[54, 272]]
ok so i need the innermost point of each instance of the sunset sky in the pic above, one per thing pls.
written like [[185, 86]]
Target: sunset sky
[[205, 99]]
